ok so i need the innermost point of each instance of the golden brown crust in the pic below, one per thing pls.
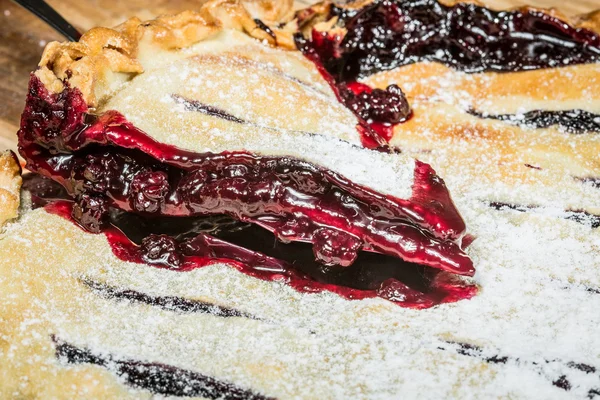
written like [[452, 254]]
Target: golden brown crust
[[589, 21], [498, 93], [10, 186], [528, 260], [102, 52], [269, 11], [441, 134], [445, 133]]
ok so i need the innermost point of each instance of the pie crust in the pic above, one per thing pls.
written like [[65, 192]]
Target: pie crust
[[76, 321], [10, 186], [105, 57]]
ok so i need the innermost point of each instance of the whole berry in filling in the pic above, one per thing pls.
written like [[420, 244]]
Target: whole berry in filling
[[148, 191], [100, 172], [161, 250], [377, 105], [91, 211], [334, 247]]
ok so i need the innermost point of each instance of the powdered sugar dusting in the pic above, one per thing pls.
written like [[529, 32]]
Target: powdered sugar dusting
[[533, 269], [282, 115], [532, 328]]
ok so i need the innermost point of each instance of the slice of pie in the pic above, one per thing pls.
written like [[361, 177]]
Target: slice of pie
[[243, 202]]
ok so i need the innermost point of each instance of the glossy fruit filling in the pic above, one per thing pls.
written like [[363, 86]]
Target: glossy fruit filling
[[105, 163], [387, 34], [377, 110], [184, 244], [390, 33]]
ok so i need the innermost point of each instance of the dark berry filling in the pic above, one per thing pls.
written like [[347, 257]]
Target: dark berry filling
[[590, 180], [107, 162], [265, 28], [91, 211], [158, 378], [377, 110], [556, 379], [377, 105], [294, 200], [260, 255], [195, 105], [104, 163], [570, 121], [390, 33], [169, 303], [196, 242], [562, 382]]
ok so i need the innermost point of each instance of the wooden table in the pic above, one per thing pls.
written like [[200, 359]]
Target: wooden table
[[23, 37]]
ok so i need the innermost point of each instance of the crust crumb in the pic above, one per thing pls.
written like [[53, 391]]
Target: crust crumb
[[10, 186]]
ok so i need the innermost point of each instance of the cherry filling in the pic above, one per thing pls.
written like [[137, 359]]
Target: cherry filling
[[184, 244], [377, 110], [104, 163], [390, 33]]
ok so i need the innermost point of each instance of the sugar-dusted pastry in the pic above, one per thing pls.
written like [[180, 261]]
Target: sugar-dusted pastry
[[389, 199]]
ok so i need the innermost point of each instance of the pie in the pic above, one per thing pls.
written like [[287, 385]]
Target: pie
[[374, 199]]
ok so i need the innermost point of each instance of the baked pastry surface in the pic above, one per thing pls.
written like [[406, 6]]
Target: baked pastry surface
[[77, 321]]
